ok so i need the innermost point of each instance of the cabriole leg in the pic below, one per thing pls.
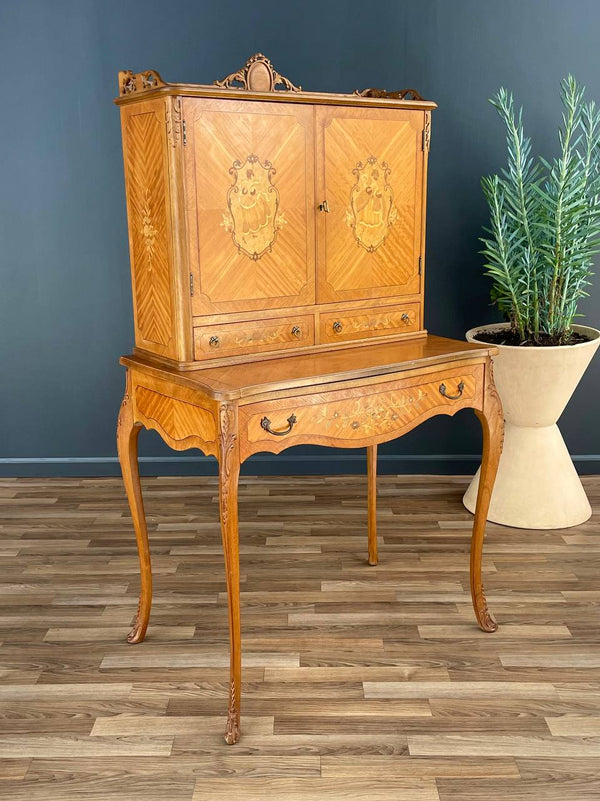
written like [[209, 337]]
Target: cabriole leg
[[372, 502], [229, 470], [127, 440], [492, 423]]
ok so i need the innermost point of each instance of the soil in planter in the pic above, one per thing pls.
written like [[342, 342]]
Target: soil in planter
[[508, 337]]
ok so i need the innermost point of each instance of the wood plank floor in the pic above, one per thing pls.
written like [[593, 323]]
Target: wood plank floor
[[360, 682]]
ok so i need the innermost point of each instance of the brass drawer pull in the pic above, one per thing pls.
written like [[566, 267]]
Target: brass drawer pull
[[460, 388], [296, 331], [405, 318], [266, 424], [214, 342], [324, 206], [338, 327]]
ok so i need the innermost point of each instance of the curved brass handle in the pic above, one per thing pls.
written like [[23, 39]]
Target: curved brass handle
[[296, 331], [324, 206], [338, 327], [214, 342], [266, 424], [460, 388]]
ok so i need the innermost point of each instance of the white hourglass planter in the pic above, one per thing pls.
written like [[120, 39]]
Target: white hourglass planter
[[537, 485]]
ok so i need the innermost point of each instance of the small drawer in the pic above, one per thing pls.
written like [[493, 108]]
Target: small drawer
[[256, 336], [377, 412], [348, 324]]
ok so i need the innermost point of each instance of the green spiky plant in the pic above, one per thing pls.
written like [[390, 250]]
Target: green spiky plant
[[544, 221]]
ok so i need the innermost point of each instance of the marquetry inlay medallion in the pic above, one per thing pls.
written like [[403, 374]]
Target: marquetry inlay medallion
[[253, 216], [371, 212]]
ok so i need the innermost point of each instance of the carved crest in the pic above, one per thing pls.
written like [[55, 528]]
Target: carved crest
[[257, 75], [372, 211], [403, 94], [139, 81], [253, 217]]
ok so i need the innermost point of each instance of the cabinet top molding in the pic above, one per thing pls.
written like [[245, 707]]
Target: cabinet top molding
[[258, 80]]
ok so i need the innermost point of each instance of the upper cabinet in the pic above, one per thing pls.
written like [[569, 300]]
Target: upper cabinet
[[249, 179], [267, 219], [370, 166]]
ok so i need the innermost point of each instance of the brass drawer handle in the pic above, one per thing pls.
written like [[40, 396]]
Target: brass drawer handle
[[460, 388], [405, 318], [338, 327], [324, 206], [214, 342], [266, 424], [296, 331]]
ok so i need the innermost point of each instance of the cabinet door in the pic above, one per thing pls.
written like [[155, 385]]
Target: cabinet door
[[370, 167], [249, 170]]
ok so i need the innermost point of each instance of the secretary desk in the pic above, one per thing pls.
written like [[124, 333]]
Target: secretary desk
[[277, 242]]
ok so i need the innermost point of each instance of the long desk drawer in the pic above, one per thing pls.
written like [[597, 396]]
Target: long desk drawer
[[351, 417]]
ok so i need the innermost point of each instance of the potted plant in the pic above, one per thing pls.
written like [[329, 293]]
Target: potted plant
[[539, 249]]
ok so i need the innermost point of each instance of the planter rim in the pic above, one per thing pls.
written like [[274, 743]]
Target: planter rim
[[471, 337]]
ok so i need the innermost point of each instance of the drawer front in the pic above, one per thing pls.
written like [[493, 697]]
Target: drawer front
[[341, 326], [232, 339], [374, 412]]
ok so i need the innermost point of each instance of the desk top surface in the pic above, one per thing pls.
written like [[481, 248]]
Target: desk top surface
[[229, 382]]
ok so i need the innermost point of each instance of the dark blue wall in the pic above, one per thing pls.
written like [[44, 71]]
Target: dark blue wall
[[65, 298]]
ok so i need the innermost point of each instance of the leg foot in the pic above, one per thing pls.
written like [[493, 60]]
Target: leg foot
[[127, 439], [486, 620], [492, 423], [140, 624], [232, 731], [372, 503]]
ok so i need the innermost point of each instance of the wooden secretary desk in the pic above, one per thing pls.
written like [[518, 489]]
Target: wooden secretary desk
[[277, 243]]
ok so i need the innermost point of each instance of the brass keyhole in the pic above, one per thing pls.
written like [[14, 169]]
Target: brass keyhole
[[324, 206]]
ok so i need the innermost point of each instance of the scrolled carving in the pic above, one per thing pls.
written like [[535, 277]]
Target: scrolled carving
[[257, 75], [485, 618], [173, 120], [138, 629], [227, 441], [124, 410], [232, 730], [402, 94], [427, 132], [130, 82], [492, 398]]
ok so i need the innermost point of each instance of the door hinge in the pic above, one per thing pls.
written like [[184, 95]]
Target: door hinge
[[192, 284], [184, 129], [420, 264]]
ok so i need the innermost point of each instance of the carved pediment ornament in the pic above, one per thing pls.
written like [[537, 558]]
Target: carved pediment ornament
[[139, 81], [403, 94], [257, 75]]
